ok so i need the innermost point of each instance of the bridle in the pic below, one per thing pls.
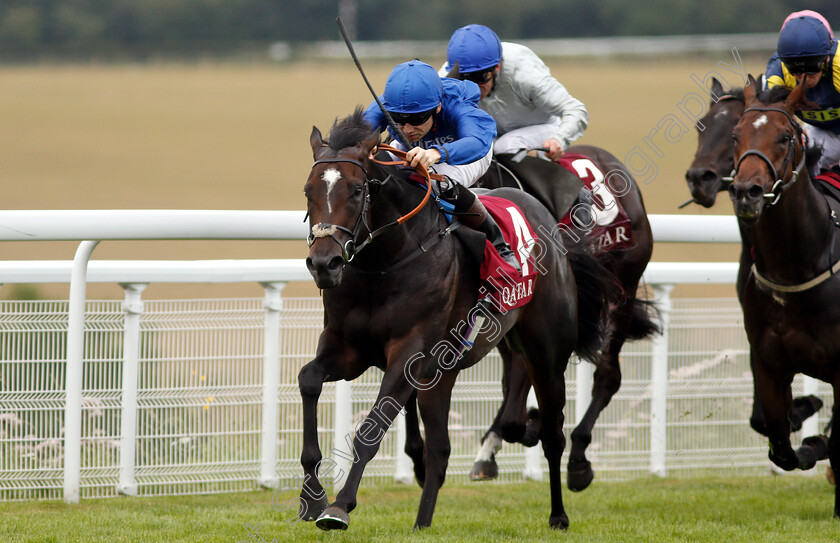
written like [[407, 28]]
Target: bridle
[[352, 247], [780, 185]]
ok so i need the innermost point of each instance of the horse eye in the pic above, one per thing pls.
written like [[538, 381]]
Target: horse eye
[[357, 191]]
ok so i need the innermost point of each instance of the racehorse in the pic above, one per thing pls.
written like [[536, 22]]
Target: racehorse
[[789, 293], [397, 288], [628, 316], [713, 162]]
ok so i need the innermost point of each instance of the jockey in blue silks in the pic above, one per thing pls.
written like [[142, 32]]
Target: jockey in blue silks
[[452, 137]]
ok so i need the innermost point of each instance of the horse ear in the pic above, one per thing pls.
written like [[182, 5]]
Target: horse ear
[[717, 90], [367, 144], [316, 141], [750, 90], [795, 98], [455, 71]]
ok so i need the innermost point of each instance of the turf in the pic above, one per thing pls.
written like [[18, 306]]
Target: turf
[[749, 510]]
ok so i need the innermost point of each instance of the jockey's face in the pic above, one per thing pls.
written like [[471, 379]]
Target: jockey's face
[[416, 133], [488, 85], [810, 80]]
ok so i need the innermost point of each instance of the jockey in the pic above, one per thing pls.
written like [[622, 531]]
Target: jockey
[[531, 108], [806, 54], [453, 137]]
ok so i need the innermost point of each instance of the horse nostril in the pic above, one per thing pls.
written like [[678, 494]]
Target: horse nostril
[[309, 264], [709, 175], [335, 263], [755, 192]]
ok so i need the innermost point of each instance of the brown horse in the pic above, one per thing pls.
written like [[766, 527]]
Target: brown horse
[[397, 291], [790, 291], [629, 317], [708, 175]]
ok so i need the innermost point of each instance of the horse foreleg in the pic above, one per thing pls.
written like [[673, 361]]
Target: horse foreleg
[[313, 496], [834, 449], [775, 398], [434, 408], [394, 393]]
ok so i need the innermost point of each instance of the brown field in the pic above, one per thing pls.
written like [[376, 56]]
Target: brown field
[[223, 136]]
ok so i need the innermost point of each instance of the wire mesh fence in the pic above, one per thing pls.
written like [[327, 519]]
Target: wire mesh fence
[[199, 400]]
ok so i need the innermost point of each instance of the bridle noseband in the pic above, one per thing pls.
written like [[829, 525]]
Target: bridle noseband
[[351, 247], [780, 184]]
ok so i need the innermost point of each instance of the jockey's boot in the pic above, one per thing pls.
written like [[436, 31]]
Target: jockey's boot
[[582, 216], [472, 213]]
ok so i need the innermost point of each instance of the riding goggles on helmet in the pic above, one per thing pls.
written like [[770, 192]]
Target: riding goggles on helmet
[[414, 119], [478, 77]]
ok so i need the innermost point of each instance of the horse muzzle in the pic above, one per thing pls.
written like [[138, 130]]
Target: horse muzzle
[[704, 184], [326, 269], [748, 200]]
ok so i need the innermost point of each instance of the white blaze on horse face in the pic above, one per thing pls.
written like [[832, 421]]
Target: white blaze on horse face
[[330, 177], [721, 113], [761, 121]]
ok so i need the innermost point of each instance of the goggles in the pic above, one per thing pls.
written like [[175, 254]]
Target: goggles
[[805, 66], [478, 77], [414, 119]]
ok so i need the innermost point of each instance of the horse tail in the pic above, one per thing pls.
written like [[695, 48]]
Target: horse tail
[[596, 286], [645, 322]]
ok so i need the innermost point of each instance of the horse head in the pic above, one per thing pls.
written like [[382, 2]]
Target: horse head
[[769, 151], [714, 159], [337, 197]]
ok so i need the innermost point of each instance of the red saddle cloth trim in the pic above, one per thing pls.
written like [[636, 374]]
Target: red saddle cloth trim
[[617, 233], [500, 282], [831, 178]]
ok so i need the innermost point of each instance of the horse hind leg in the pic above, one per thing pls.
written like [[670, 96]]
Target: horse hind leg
[[414, 447]]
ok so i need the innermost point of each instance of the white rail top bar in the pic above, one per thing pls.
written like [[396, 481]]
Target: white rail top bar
[[158, 271], [278, 270], [147, 224], [135, 224]]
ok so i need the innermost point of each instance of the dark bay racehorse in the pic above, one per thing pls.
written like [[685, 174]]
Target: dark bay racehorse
[[628, 316], [714, 161], [790, 292], [398, 292]]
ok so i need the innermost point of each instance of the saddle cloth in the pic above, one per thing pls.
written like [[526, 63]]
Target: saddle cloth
[[612, 228], [501, 284], [828, 184]]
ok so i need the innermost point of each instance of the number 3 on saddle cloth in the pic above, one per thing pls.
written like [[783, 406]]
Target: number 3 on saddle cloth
[[612, 225], [501, 285]]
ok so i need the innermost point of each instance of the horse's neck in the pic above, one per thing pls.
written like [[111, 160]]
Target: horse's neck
[[396, 199], [791, 239]]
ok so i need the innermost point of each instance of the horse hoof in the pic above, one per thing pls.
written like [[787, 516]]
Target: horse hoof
[[310, 508], [787, 464], [806, 458], [559, 522], [579, 475], [333, 518], [484, 470], [819, 444]]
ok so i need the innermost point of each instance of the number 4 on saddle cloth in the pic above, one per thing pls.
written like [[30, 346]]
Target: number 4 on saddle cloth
[[502, 285]]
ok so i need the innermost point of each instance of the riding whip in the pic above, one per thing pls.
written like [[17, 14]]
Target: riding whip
[[391, 123]]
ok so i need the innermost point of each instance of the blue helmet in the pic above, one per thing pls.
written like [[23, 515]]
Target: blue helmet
[[475, 48], [804, 42], [412, 87]]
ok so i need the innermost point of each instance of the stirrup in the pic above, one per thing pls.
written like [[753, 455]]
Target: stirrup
[[508, 255]]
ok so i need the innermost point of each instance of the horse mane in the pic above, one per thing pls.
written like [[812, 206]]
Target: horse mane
[[349, 131]]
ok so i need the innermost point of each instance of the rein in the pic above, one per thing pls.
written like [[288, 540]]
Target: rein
[[351, 248], [780, 185]]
